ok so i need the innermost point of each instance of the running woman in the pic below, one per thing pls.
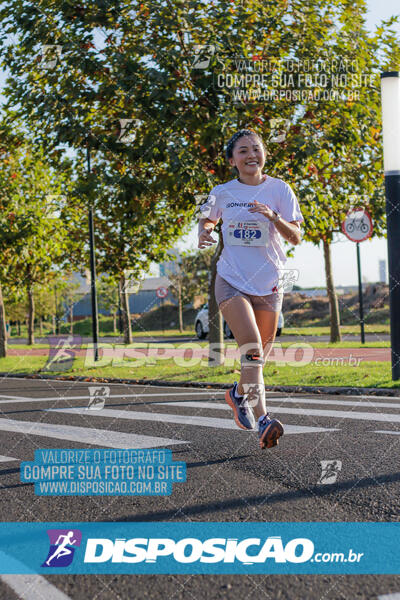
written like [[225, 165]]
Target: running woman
[[257, 210]]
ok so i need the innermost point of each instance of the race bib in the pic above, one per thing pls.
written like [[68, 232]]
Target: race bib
[[248, 233]]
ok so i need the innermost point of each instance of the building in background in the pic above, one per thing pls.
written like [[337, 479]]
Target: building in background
[[170, 266], [146, 299], [382, 271], [141, 302]]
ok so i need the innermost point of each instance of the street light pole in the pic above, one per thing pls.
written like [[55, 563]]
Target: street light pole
[[390, 89], [95, 322]]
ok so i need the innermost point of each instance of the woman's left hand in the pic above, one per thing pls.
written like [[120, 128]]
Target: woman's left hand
[[263, 209]]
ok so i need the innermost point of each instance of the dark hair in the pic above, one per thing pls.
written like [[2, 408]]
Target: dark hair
[[236, 136]]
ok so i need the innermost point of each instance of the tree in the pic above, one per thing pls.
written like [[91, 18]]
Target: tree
[[190, 278], [70, 297], [14, 302], [44, 303], [32, 237], [147, 69], [80, 101], [108, 297], [3, 331], [343, 159]]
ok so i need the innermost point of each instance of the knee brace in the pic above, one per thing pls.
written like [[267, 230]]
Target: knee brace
[[253, 358]]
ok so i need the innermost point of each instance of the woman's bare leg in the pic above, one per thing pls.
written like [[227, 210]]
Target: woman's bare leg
[[267, 323], [239, 314]]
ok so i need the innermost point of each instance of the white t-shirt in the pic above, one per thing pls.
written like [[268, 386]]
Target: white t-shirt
[[253, 269]]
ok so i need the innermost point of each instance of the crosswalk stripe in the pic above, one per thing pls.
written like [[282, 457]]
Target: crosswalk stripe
[[311, 412], [86, 435], [7, 459], [29, 586], [33, 587], [195, 404], [215, 422], [12, 398], [209, 404], [335, 402], [87, 396]]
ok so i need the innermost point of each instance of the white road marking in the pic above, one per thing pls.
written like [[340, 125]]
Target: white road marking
[[387, 431], [341, 414], [217, 423], [28, 586], [336, 402], [14, 397], [173, 387], [396, 397], [87, 396], [86, 435], [395, 596], [7, 459], [289, 401], [312, 412], [33, 587]]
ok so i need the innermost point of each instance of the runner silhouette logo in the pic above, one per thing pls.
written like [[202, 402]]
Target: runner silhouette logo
[[63, 543]]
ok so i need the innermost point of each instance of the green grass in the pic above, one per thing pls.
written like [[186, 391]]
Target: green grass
[[355, 344], [345, 330], [230, 343], [367, 374], [153, 321], [150, 324]]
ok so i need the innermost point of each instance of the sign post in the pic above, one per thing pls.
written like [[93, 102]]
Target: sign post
[[161, 293], [360, 296], [357, 227]]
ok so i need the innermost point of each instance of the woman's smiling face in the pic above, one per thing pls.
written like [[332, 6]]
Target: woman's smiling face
[[248, 155]]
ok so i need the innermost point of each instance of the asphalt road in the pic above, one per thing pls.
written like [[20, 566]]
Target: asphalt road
[[229, 478]]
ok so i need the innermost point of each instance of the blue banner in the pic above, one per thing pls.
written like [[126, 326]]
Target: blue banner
[[200, 548]]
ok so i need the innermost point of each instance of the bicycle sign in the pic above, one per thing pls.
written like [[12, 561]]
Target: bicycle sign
[[357, 225], [161, 292]]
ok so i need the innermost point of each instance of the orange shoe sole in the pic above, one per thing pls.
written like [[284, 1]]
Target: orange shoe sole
[[228, 399], [271, 435]]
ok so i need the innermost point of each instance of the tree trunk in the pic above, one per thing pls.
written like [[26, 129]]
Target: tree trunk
[[31, 314], [56, 312], [215, 329], [114, 322], [40, 325], [53, 319], [126, 317], [19, 328], [180, 315], [71, 315], [3, 331], [333, 301]]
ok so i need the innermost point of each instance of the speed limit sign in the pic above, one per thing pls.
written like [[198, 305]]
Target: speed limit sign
[[161, 292], [357, 225]]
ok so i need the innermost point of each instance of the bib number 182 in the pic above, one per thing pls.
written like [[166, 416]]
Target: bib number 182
[[247, 234]]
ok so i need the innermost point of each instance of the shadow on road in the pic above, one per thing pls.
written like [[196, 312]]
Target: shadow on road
[[320, 491]]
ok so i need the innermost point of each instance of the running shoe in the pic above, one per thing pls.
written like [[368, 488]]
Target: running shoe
[[269, 431], [242, 413]]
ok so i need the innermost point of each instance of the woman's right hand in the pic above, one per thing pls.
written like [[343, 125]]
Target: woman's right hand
[[205, 239]]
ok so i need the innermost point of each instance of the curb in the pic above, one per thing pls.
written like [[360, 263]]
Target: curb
[[211, 385]]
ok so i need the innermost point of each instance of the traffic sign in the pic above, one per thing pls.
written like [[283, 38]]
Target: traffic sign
[[161, 292], [357, 225]]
